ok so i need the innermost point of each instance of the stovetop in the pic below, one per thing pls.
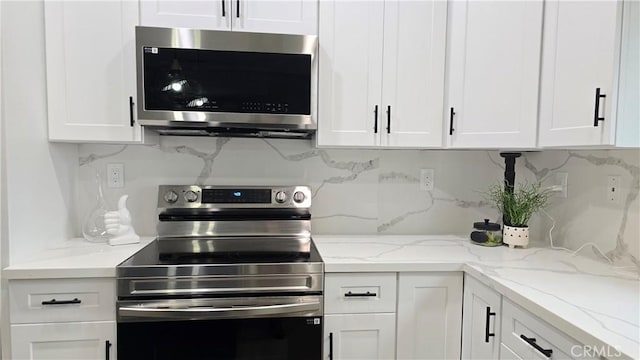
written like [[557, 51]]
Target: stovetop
[[149, 262]]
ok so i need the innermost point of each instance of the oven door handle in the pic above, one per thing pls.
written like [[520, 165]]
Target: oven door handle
[[202, 313]]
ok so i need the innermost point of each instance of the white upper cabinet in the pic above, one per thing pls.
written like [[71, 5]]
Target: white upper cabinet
[[90, 64], [413, 73], [198, 14], [628, 121], [365, 104], [350, 79], [282, 17], [579, 81], [493, 72], [279, 16]]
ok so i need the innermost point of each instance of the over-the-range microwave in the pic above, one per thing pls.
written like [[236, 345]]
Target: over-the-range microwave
[[224, 83]]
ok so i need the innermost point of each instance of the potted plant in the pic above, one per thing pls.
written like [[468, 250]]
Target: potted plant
[[518, 206]]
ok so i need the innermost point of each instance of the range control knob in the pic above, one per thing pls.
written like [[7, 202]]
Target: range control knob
[[190, 196], [298, 196], [281, 197], [170, 196]]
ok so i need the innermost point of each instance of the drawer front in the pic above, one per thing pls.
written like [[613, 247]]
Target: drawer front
[[527, 335], [60, 300], [360, 293]]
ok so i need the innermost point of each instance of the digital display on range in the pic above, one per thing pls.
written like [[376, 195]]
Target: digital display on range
[[230, 196]]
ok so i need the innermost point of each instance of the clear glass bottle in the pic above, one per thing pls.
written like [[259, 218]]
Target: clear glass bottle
[[94, 229]]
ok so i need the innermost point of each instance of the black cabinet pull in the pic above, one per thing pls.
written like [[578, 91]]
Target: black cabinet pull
[[389, 119], [330, 346], [451, 129], [532, 342], [237, 8], [596, 115], [62, 302], [367, 294], [488, 334], [107, 346], [224, 13], [375, 120], [131, 105]]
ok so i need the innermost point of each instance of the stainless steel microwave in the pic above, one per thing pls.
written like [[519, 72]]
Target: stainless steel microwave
[[223, 83]]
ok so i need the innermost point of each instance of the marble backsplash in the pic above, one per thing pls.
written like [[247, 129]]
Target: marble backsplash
[[378, 192]]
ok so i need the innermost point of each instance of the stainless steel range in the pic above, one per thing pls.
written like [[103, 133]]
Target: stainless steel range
[[233, 274]]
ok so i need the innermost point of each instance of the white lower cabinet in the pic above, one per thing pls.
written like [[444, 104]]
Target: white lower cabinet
[[481, 314], [64, 341], [359, 336], [528, 337], [62, 319], [393, 315], [508, 354], [429, 315]]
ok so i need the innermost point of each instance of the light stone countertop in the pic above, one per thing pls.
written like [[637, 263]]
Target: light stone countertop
[[75, 258], [591, 301]]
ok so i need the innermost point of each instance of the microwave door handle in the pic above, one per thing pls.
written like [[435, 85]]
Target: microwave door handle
[[201, 313]]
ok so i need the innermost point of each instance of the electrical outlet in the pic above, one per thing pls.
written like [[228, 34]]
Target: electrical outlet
[[115, 175], [613, 189], [427, 179], [562, 180]]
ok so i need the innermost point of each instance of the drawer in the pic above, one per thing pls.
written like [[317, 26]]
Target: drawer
[[518, 324], [60, 300], [347, 293]]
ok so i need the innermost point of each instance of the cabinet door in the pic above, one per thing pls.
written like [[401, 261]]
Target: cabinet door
[[91, 70], [494, 64], [429, 315], [480, 321], [64, 341], [413, 80], [208, 15], [277, 16], [581, 49], [359, 336], [508, 354], [350, 79]]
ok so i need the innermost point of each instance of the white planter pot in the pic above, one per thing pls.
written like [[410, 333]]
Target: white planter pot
[[516, 236]]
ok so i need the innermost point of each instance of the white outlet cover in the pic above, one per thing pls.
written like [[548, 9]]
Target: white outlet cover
[[115, 175], [427, 179], [613, 189]]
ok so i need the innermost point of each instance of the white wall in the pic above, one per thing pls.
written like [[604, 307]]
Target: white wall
[[377, 191], [40, 177]]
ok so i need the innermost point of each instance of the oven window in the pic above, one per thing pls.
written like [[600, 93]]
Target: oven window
[[241, 339], [226, 81]]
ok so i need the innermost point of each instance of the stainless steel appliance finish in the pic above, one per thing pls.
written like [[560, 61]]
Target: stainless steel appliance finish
[[207, 219], [232, 266], [269, 122]]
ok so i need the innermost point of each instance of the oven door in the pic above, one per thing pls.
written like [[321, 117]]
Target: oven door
[[227, 328]]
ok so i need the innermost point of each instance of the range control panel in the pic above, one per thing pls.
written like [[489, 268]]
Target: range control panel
[[195, 196]]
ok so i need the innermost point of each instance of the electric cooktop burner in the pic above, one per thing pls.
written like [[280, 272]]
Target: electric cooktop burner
[[151, 256]]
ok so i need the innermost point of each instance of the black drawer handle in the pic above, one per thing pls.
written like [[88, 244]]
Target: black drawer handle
[[488, 334], [224, 13], [596, 115], [330, 346], [61, 302], [367, 294], [532, 342]]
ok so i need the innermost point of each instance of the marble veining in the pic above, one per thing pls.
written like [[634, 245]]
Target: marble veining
[[589, 300], [621, 249], [355, 168]]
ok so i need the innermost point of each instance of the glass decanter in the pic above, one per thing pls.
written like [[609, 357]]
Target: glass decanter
[[94, 229]]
